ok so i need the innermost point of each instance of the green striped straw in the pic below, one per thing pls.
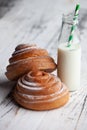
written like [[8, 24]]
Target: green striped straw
[[75, 19]]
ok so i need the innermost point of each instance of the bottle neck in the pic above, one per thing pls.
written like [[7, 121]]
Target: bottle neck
[[67, 22], [68, 19]]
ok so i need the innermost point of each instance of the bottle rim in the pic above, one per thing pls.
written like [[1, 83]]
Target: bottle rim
[[68, 18]]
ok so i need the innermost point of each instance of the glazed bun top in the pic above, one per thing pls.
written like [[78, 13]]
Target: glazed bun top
[[27, 57], [40, 91]]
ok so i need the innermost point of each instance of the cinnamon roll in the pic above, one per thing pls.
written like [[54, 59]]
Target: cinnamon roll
[[40, 91], [27, 57]]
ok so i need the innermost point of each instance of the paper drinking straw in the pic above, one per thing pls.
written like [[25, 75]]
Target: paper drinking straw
[[75, 19]]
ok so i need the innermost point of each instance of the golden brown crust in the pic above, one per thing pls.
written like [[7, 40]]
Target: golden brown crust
[[40, 91], [26, 58]]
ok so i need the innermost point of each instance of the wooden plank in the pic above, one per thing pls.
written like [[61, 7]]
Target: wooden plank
[[33, 25], [39, 26]]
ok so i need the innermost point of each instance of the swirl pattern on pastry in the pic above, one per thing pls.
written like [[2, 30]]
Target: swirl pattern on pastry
[[40, 91], [26, 58]]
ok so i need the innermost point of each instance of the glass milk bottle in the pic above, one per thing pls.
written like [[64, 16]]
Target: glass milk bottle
[[69, 58]]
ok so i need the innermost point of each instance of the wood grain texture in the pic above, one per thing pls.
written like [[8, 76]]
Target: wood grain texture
[[38, 21]]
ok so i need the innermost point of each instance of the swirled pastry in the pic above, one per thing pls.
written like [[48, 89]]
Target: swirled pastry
[[26, 58], [40, 91]]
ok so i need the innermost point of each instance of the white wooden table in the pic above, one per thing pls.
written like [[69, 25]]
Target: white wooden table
[[38, 21]]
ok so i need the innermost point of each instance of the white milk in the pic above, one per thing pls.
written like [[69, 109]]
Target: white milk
[[69, 62]]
